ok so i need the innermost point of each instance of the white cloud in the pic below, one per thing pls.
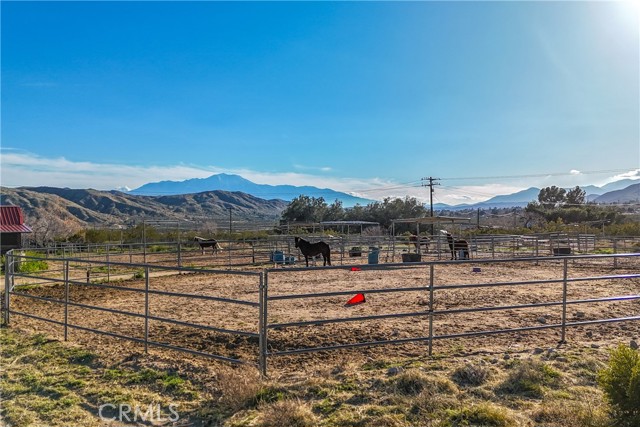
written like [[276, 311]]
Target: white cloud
[[312, 168], [22, 169], [575, 172], [632, 174]]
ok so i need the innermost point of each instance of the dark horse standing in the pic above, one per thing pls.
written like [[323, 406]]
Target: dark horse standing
[[208, 243], [313, 249], [458, 245]]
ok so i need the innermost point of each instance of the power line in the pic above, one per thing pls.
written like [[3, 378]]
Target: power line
[[539, 175]]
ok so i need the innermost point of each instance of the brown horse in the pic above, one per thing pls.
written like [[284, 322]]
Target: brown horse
[[208, 243], [456, 245], [313, 249], [419, 241]]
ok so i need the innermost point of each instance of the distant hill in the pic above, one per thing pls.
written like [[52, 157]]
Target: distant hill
[[626, 195], [592, 190], [81, 208], [623, 191], [227, 182]]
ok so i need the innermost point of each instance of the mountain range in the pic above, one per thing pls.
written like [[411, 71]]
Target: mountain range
[[227, 182], [88, 207], [623, 191]]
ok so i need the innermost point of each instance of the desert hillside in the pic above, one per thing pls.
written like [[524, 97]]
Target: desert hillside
[[81, 208]]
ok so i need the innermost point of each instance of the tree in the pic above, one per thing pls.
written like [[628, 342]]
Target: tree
[[335, 211], [305, 209], [576, 196], [310, 209], [551, 197]]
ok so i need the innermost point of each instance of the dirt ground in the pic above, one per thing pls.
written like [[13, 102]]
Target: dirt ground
[[400, 290]]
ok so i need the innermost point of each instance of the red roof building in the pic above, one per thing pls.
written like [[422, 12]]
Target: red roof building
[[11, 228]]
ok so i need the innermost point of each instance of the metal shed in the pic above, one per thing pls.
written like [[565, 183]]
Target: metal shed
[[431, 220], [12, 227], [348, 224]]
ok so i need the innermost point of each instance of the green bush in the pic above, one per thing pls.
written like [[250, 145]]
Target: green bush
[[620, 381], [28, 265]]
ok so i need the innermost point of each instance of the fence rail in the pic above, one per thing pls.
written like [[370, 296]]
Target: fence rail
[[252, 297], [13, 291], [345, 250]]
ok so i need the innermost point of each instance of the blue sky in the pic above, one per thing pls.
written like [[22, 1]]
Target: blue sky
[[365, 97]]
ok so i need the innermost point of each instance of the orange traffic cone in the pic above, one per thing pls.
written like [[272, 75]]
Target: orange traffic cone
[[357, 299]]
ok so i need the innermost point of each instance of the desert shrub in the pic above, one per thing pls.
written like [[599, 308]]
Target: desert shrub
[[603, 251], [239, 389], [287, 413], [529, 379], [631, 228], [470, 375], [620, 381]]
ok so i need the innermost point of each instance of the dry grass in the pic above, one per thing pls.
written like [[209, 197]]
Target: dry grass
[[287, 413], [586, 409], [238, 388], [54, 383], [471, 375]]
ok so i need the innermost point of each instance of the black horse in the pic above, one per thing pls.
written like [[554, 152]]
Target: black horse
[[313, 249], [208, 243], [456, 245]]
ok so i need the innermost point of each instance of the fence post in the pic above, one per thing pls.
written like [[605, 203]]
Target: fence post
[[8, 265], [264, 280], [108, 264], [615, 251], [564, 301], [179, 254], [431, 272], [66, 300], [146, 309], [493, 247]]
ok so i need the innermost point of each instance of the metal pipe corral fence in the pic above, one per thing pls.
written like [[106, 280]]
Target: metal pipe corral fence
[[257, 296]]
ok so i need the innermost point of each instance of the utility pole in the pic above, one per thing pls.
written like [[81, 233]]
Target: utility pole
[[432, 182]]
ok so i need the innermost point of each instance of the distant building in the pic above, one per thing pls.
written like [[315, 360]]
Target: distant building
[[11, 228]]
